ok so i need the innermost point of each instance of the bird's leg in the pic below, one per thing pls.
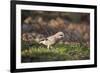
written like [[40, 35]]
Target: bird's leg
[[48, 47]]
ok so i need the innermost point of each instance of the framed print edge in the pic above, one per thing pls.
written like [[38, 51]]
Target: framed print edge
[[95, 36], [13, 36]]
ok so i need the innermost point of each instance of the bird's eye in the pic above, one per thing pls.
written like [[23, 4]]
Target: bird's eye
[[61, 35]]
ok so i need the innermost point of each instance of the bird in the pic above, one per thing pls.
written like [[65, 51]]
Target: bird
[[51, 40]]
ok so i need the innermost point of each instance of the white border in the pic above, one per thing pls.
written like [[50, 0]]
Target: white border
[[20, 65]]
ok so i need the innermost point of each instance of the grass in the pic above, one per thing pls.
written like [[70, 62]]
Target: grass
[[59, 52]]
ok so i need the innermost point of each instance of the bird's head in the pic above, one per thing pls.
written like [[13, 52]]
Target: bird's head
[[59, 35]]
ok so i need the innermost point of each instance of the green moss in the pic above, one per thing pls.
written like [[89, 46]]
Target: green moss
[[60, 52]]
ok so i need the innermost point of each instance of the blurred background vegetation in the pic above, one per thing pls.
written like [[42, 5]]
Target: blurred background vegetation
[[36, 25]]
